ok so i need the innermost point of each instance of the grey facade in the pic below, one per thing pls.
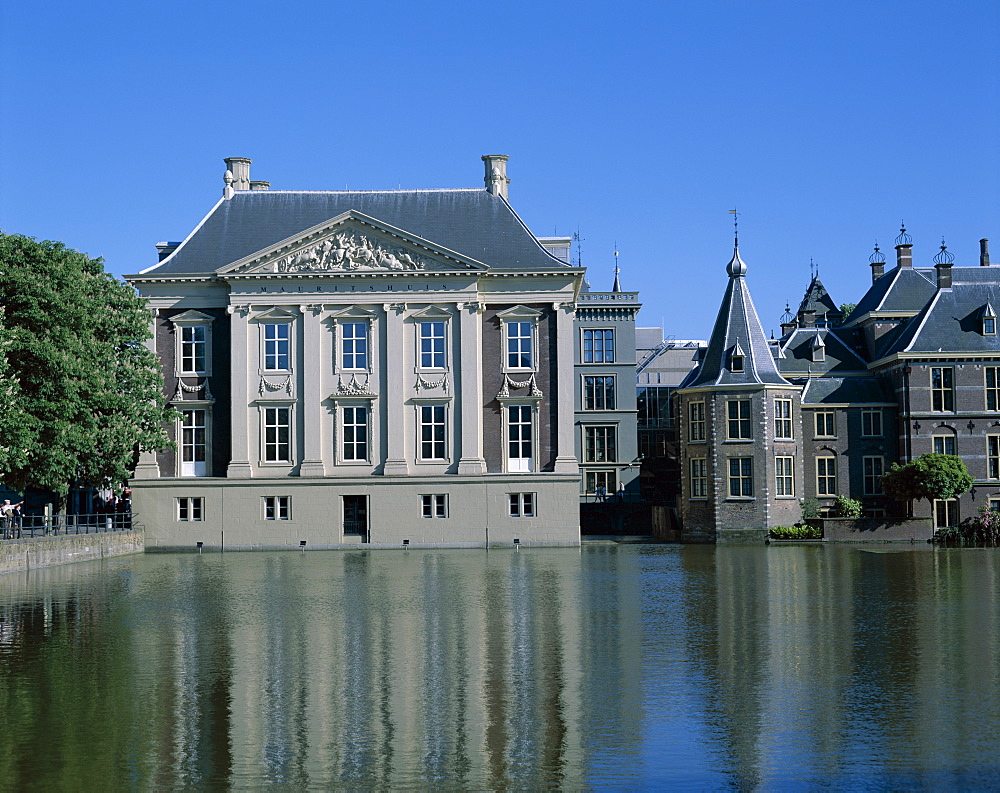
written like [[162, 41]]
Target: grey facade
[[364, 368]]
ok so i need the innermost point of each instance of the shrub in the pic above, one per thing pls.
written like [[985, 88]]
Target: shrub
[[811, 509], [846, 507], [981, 530], [796, 533]]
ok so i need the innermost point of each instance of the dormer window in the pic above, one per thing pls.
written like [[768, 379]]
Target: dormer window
[[989, 318], [736, 359]]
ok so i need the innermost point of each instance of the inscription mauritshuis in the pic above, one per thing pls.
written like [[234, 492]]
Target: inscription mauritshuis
[[345, 288]]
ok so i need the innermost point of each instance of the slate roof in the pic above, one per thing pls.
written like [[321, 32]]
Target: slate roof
[[817, 299], [952, 321], [796, 353], [901, 289], [736, 328], [471, 222], [838, 390]]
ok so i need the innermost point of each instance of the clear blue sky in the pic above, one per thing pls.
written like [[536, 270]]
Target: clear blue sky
[[639, 122]]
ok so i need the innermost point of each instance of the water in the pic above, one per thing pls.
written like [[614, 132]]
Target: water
[[616, 666]]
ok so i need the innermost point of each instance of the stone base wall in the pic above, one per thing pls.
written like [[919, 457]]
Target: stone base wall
[[876, 529], [32, 552], [740, 536]]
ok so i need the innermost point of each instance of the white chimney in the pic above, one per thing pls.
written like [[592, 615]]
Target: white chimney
[[237, 176], [496, 174]]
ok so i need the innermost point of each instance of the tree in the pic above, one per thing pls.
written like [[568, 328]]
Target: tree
[[930, 476], [14, 430], [847, 308], [87, 391]]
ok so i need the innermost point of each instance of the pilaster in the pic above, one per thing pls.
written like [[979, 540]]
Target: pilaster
[[147, 467], [395, 460], [311, 401], [470, 372], [566, 461], [239, 422]]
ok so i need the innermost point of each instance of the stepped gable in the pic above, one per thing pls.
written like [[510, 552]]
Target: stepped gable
[[737, 332], [470, 222]]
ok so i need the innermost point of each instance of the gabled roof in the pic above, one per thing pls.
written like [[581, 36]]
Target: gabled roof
[[902, 289], [471, 222], [796, 355], [737, 328], [838, 390]]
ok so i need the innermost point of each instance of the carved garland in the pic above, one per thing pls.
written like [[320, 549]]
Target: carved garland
[[427, 385], [184, 388], [266, 385], [508, 384], [353, 388]]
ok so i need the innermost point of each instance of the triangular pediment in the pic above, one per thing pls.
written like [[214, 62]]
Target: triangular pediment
[[353, 243], [276, 313], [431, 312], [353, 312], [519, 312], [191, 317]]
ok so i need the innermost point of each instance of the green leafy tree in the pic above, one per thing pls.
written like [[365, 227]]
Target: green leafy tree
[[87, 391], [847, 308], [930, 476], [15, 431], [847, 507]]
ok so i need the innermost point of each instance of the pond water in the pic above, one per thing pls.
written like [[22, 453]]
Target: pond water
[[625, 666]]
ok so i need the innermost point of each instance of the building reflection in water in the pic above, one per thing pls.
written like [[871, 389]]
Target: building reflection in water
[[623, 666]]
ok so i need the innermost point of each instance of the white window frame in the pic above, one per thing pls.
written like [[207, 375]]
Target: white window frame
[[614, 391], [265, 327], [520, 465], [342, 340], [738, 476], [872, 478], [594, 475], [942, 394], [434, 505], [192, 319], [279, 507], [342, 427], [993, 456], [445, 406], [783, 427], [522, 505], [595, 359], [740, 420], [989, 325], [698, 478], [829, 422], [871, 417], [429, 321], [943, 440], [263, 408], [946, 508], [699, 423], [826, 462], [595, 457], [992, 389], [784, 476], [194, 467], [190, 509]]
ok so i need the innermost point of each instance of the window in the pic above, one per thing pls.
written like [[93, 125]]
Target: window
[[696, 425], [944, 444], [434, 506], [354, 345], [520, 437], [942, 388], [601, 483], [355, 434], [741, 477], [736, 362], [783, 419], [432, 432], [871, 422], [654, 405], [432, 345], [599, 346], [598, 393], [522, 505], [277, 435], [739, 419], [194, 343], [993, 456], [194, 443], [519, 345], [826, 426], [992, 387], [699, 477], [818, 353], [874, 467], [826, 476], [945, 513], [276, 349], [989, 326], [277, 507], [784, 479], [190, 509], [600, 444], [995, 504]]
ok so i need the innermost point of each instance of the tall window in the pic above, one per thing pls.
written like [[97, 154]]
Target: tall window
[[992, 387], [696, 424], [600, 444], [942, 388], [277, 435], [354, 345], [519, 352], [874, 467], [434, 505], [699, 477], [277, 507], [598, 393], [741, 477], [944, 444], [993, 456], [276, 356], [826, 476], [783, 418], [989, 326], [599, 346], [871, 422], [784, 479], [653, 404], [520, 438], [432, 432], [945, 513], [739, 419], [826, 426], [194, 340], [355, 433], [601, 483], [190, 508], [522, 505], [432, 345], [194, 443]]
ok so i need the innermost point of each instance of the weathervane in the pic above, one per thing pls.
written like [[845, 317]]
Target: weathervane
[[736, 226]]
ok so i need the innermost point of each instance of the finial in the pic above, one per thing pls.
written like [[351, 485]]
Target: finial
[[617, 285], [944, 256], [736, 227], [788, 316], [579, 247], [903, 238], [877, 256]]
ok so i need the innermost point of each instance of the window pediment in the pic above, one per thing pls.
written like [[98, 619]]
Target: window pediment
[[192, 317], [432, 312], [278, 313], [519, 312]]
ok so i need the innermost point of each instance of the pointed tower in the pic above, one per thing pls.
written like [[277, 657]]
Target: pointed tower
[[738, 421], [818, 300]]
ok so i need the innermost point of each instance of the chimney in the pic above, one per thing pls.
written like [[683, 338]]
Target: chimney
[[164, 249], [807, 319], [496, 174], [786, 328], [984, 253], [260, 185], [904, 248], [943, 275], [877, 261], [237, 176]]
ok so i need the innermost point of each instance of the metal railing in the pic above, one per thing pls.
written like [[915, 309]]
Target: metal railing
[[59, 525]]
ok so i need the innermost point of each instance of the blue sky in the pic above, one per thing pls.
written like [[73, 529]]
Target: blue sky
[[825, 124]]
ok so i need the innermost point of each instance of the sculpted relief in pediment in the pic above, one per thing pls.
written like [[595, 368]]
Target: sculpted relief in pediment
[[348, 251]]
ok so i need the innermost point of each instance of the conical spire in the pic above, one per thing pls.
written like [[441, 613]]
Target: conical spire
[[617, 285]]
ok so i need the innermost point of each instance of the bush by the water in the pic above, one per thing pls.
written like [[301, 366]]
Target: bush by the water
[[984, 529], [796, 533]]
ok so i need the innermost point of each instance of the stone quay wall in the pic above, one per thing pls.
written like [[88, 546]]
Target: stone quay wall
[[32, 552]]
